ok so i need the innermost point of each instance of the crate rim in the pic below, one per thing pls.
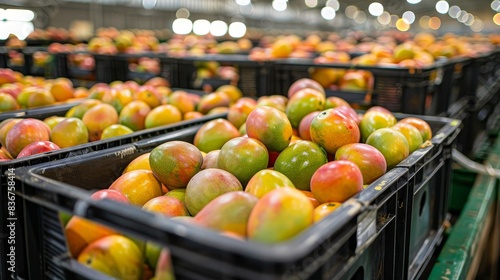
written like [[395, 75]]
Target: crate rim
[[145, 132]]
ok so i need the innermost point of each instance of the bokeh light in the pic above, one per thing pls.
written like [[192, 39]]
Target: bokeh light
[[434, 23], [402, 25], [424, 22]]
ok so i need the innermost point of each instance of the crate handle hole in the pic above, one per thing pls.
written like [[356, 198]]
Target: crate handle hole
[[422, 203]]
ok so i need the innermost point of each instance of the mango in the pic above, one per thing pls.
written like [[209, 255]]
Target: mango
[[213, 100], [133, 115], [82, 232], [116, 256], [228, 212], [208, 184], [214, 134], [97, 118], [280, 215], [24, 133], [70, 132], [79, 110]]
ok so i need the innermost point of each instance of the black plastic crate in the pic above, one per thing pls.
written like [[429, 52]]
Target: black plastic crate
[[354, 241], [102, 72], [23, 265], [427, 206], [3, 57], [64, 68], [39, 113], [480, 71], [411, 91], [123, 73], [7, 62], [476, 116], [450, 87], [255, 77]]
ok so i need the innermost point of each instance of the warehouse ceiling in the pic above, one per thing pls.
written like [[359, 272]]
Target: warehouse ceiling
[[313, 13]]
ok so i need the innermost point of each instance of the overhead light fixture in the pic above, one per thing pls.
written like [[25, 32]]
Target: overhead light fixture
[[376, 9], [149, 4], [182, 13], [424, 22], [413, 1], [409, 16], [402, 25], [360, 17], [384, 18], [350, 11], [182, 26], [243, 2], [279, 5], [434, 23], [495, 5], [201, 27], [454, 11], [328, 13], [218, 28], [333, 3], [463, 16], [237, 29], [496, 19], [17, 15], [470, 19], [442, 7], [311, 3], [478, 25]]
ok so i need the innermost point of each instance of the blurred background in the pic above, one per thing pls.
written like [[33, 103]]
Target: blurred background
[[82, 17]]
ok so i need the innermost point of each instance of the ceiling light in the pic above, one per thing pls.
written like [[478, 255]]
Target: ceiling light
[[311, 3], [350, 11], [442, 7], [149, 4], [463, 16], [182, 26], [360, 17], [201, 27], [496, 19], [470, 20], [434, 23], [495, 5], [402, 25], [478, 25], [243, 2], [454, 11], [394, 20], [328, 13], [413, 1], [376, 9], [424, 22], [218, 28], [237, 29], [333, 3], [384, 18], [279, 5], [182, 13], [409, 16], [17, 15]]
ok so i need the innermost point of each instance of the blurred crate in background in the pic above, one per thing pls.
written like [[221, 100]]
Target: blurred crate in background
[[142, 67], [85, 66], [209, 72], [412, 91], [13, 58]]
